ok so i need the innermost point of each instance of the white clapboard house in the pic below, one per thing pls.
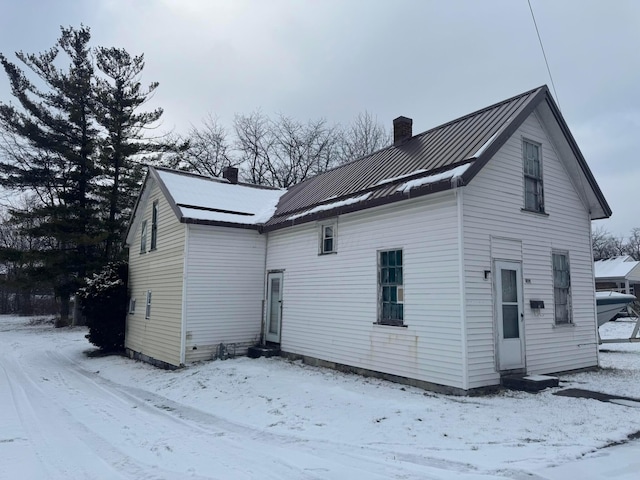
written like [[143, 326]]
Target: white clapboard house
[[445, 260]]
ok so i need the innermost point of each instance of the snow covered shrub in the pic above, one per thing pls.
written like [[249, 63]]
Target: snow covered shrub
[[104, 304]]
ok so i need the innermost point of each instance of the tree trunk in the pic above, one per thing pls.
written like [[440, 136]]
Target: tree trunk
[[63, 321]]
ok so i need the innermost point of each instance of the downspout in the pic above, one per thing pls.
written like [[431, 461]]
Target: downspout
[[183, 336], [263, 315], [593, 277], [461, 282]]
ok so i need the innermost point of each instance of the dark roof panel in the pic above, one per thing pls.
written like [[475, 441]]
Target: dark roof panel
[[436, 150]]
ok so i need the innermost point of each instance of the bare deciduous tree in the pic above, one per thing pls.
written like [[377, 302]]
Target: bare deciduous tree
[[278, 151], [208, 151], [284, 151], [362, 137], [633, 244], [253, 144]]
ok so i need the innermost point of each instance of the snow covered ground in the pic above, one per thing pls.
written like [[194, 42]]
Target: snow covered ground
[[65, 415]]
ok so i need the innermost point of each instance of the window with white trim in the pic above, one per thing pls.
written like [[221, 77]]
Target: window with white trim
[[533, 197], [328, 237], [561, 288], [143, 237], [147, 312], [390, 288], [154, 225]]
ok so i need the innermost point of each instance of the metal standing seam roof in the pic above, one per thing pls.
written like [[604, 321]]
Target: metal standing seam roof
[[458, 142], [377, 178]]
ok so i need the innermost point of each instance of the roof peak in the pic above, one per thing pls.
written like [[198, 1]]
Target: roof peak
[[209, 178]]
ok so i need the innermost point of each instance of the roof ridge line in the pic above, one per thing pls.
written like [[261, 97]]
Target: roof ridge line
[[433, 129], [482, 110], [186, 173]]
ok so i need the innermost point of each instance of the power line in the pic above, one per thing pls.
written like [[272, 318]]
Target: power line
[[553, 85]]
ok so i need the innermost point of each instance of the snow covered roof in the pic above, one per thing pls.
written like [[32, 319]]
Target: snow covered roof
[[206, 199], [622, 267]]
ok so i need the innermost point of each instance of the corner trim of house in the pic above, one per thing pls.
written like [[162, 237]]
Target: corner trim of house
[[183, 310], [432, 387], [463, 289]]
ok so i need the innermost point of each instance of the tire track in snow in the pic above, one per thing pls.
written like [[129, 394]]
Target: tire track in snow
[[366, 455], [64, 447]]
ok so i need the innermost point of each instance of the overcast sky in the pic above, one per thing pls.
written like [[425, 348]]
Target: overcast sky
[[431, 60]]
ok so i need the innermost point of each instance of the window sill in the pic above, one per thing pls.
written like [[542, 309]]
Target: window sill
[[564, 325], [402, 325], [327, 253], [142, 253], [153, 249], [533, 212]]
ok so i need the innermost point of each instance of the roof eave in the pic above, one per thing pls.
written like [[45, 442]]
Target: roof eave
[[606, 209], [421, 191], [507, 131], [219, 223]]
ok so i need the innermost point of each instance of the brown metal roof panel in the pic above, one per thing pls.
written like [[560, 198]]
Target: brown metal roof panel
[[434, 149]]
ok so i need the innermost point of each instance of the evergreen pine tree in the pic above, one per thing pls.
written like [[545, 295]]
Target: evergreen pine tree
[[119, 95], [56, 139]]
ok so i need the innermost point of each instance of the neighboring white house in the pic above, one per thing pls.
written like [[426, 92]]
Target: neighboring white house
[[446, 260], [620, 274]]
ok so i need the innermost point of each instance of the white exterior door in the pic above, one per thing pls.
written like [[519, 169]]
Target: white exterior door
[[273, 318], [509, 315]]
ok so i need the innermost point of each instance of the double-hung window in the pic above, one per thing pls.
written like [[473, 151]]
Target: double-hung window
[[154, 225], [390, 288], [533, 197], [143, 237], [328, 237], [561, 288]]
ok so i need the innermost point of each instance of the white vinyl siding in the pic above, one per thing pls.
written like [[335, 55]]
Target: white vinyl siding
[[496, 228], [159, 271], [330, 303], [225, 287]]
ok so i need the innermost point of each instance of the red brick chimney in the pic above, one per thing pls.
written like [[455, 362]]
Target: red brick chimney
[[402, 129], [231, 174]]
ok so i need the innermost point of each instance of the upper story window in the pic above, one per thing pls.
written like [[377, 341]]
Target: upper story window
[[328, 237], [561, 288], [390, 288], [533, 197], [154, 225], [143, 237]]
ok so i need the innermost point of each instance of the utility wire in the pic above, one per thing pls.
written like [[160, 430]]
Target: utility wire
[[553, 85]]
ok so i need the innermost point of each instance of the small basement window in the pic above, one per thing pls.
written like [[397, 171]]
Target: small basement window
[[328, 237], [390, 288]]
